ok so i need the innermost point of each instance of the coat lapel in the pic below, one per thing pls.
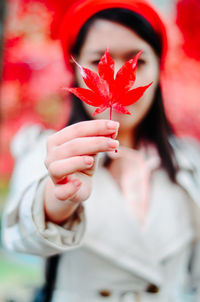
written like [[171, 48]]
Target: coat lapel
[[114, 233], [108, 221]]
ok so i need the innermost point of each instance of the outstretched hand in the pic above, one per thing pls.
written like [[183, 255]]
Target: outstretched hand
[[71, 159]]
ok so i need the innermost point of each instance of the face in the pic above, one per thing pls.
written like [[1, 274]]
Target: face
[[123, 45]]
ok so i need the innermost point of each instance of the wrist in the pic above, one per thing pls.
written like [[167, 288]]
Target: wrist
[[57, 211]]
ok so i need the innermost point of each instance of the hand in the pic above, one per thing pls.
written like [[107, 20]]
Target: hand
[[71, 159]]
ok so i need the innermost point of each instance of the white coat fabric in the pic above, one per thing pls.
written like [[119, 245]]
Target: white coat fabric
[[106, 254]]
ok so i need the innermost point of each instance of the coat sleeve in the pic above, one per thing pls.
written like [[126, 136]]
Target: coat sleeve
[[24, 228], [188, 176]]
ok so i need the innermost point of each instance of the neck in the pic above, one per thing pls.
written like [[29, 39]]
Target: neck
[[126, 138]]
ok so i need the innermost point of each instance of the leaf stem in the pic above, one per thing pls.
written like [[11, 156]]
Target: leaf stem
[[110, 112], [111, 119]]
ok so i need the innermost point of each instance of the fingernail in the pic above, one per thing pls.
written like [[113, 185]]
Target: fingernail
[[113, 144], [76, 182], [114, 135], [112, 125], [88, 160], [63, 181]]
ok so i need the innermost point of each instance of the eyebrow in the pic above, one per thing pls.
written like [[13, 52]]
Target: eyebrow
[[128, 53], [95, 52], [135, 52]]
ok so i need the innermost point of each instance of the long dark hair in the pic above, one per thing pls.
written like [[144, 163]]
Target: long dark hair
[[154, 127]]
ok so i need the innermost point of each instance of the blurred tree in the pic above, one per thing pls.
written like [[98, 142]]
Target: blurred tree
[[2, 14], [188, 21], [181, 84], [33, 73]]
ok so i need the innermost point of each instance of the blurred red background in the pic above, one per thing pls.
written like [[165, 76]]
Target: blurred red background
[[34, 72]]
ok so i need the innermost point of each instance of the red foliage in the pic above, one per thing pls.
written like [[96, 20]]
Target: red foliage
[[188, 20], [181, 88], [105, 90], [33, 73]]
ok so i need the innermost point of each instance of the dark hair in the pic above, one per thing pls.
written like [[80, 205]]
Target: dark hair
[[154, 127]]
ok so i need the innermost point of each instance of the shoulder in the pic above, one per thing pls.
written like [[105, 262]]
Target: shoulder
[[187, 152], [188, 143], [27, 138], [187, 155]]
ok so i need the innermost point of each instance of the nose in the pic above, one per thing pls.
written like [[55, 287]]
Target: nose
[[118, 65]]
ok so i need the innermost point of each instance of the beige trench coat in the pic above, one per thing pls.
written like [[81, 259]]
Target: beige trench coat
[[106, 255]]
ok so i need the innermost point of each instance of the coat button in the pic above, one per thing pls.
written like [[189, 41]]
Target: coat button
[[104, 293], [152, 288]]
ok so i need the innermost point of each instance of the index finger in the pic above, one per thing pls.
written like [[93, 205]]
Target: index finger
[[85, 129]]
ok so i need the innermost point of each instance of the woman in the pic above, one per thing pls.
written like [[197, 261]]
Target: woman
[[124, 227]]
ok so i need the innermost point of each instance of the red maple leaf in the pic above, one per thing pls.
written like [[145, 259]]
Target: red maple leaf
[[109, 91]]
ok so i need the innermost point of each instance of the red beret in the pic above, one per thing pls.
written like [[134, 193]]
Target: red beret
[[79, 11]]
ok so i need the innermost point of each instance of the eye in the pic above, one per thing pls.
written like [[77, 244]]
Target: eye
[[95, 62], [141, 62]]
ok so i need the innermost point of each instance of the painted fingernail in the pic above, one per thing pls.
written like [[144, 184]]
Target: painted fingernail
[[63, 181], [88, 160], [113, 144], [76, 182], [112, 125]]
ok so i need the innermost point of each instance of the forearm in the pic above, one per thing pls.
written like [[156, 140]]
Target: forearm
[[26, 230]]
